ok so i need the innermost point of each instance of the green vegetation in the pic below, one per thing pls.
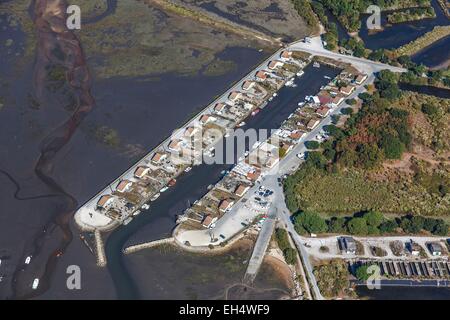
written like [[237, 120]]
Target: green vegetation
[[362, 272], [304, 9], [356, 46], [348, 12], [289, 253], [332, 278], [411, 15], [309, 222], [331, 36], [428, 38], [349, 174], [312, 145]]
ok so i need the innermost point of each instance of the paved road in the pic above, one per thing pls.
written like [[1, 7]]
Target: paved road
[[315, 47], [260, 248]]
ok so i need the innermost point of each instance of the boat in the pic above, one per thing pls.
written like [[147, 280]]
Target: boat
[[300, 73], [188, 169], [227, 135], [271, 98], [127, 221], [255, 112], [172, 182], [316, 65], [35, 284], [156, 196], [274, 94], [28, 260], [137, 212], [164, 189], [327, 77], [241, 124]]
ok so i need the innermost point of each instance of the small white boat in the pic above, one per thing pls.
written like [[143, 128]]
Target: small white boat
[[241, 124], [164, 189], [156, 196], [316, 65], [327, 77], [227, 135], [274, 94], [28, 260], [136, 213], [271, 98], [127, 221], [145, 206], [300, 73], [188, 169], [35, 284]]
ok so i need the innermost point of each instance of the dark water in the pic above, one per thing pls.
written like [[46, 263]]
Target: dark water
[[210, 6], [404, 293], [160, 220], [433, 91], [400, 33], [434, 55], [141, 111]]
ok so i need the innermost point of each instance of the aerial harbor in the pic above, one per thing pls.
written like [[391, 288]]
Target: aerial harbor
[[225, 150]]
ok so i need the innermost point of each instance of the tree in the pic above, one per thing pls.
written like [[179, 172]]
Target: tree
[[312, 144], [311, 222], [362, 273], [388, 226], [290, 255], [441, 228], [316, 159], [393, 148], [429, 224], [429, 109], [374, 218], [417, 223], [282, 238], [336, 225], [347, 111], [357, 226]]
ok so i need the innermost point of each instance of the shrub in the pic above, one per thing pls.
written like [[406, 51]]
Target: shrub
[[312, 145], [357, 226], [310, 221]]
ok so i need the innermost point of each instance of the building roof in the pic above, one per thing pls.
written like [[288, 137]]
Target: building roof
[[435, 247], [360, 78], [219, 106], [234, 95], [175, 144], [141, 171], [247, 84], [123, 185], [274, 63], [323, 111], [324, 99], [205, 118], [312, 123], [261, 75], [349, 243], [158, 156], [190, 131], [337, 99], [104, 200], [207, 221], [286, 54], [297, 134], [347, 90], [225, 204], [253, 175], [241, 190]]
